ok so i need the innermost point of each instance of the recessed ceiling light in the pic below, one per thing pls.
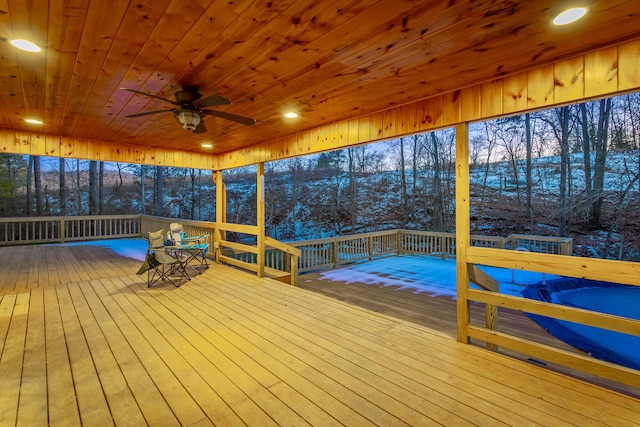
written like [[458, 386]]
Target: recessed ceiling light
[[569, 16], [290, 115], [25, 45], [33, 121], [206, 145]]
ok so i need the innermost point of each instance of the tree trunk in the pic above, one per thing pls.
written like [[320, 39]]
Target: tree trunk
[[159, 196], [37, 179], [601, 149], [403, 185], [194, 197], [93, 190], [29, 194], [586, 148], [438, 215], [414, 177], [353, 202], [143, 206], [63, 187], [563, 119], [78, 189], [101, 189], [529, 178]]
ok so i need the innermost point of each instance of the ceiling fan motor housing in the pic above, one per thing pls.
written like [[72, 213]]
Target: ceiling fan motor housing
[[187, 95]]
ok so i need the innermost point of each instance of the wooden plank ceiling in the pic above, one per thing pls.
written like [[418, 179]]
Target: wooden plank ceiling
[[327, 60]]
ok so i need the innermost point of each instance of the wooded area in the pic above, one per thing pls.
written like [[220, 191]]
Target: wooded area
[[568, 171]]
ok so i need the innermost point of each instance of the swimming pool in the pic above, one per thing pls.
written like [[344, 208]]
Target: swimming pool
[[605, 297]]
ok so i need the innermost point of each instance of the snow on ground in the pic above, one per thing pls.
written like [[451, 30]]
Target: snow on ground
[[426, 274], [130, 248]]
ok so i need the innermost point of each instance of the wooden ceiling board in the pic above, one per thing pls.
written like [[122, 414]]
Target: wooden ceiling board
[[64, 31], [330, 60], [136, 27]]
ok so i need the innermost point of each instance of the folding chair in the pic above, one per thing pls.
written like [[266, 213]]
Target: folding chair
[[192, 247], [163, 263]]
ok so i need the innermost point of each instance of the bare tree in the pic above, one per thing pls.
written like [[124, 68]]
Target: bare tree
[[439, 208], [93, 188], [143, 200], [29, 209], [37, 181], [63, 187], [528, 172], [601, 149], [78, 188], [561, 129], [100, 204], [159, 191]]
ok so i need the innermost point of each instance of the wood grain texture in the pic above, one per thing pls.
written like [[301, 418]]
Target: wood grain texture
[[330, 61], [230, 349]]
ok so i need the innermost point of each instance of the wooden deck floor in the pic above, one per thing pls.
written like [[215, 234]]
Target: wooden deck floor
[[227, 349]]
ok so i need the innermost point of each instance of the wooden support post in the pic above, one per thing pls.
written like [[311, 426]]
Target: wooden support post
[[488, 283], [463, 233], [221, 212], [294, 270], [260, 217]]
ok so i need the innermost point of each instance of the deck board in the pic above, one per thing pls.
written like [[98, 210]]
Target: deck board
[[227, 349]]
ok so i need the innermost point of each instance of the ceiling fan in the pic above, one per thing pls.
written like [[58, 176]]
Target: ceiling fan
[[191, 108]]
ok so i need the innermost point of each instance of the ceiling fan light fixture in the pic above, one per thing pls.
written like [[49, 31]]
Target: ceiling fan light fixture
[[189, 119]]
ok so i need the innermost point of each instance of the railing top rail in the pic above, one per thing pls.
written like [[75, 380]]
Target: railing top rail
[[539, 238], [342, 238], [282, 246], [426, 233], [191, 222], [480, 237], [66, 218]]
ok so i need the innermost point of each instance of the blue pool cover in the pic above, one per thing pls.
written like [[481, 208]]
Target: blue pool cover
[[605, 297]]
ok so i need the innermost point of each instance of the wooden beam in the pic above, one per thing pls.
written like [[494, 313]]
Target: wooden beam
[[221, 209], [624, 272], [38, 144], [463, 233], [482, 279], [260, 220], [572, 80]]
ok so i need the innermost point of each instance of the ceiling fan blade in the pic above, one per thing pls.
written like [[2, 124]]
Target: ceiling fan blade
[[233, 117], [211, 101], [201, 128], [150, 95], [147, 113]]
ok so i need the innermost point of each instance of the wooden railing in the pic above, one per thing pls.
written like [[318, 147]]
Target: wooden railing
[[534, 252], [280, 259], [22, 231], [543, 245], [589, 268], [335, 251]]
